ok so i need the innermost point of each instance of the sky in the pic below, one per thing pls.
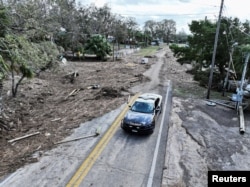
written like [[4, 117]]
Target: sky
[[181, 11]]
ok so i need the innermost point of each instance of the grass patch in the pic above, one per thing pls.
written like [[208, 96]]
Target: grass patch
[[218, 95], [149, 51], [189, 91], [184, 93], [199, 92]]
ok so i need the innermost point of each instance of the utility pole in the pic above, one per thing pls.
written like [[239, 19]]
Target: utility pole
[[240, 90], [229, 66], [214, 52]]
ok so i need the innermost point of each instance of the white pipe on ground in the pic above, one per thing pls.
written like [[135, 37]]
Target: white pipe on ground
[[242, 122]]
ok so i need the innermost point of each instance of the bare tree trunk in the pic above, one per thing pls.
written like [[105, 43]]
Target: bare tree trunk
[[13, 79], [1, 98], [15, 87]]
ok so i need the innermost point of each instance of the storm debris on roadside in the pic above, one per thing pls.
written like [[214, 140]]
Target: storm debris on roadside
[[58, 101], [109, 92], [71, 77], [73, 93], [94, 86], [23, 137]]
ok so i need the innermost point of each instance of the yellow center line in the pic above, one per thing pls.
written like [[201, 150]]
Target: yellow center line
[[87, 164]]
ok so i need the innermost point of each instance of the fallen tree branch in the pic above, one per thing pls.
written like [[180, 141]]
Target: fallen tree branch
[[134, 80], [23, 137], [56, 119], [4, 126], [72, 76], [73, 93], [83, 137]]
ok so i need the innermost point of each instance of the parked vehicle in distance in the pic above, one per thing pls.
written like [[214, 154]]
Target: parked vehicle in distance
[[142, 115]]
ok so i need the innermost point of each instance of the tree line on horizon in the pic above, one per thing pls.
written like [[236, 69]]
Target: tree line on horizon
[[34, 33]]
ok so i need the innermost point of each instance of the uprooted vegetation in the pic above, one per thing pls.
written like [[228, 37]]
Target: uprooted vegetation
[[50, 105]]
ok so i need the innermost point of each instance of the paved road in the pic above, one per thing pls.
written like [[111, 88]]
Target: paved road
[[127, 160], [200, 138]]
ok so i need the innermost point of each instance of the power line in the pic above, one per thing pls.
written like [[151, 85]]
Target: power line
[[191, 14]]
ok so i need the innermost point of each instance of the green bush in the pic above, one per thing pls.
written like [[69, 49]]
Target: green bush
[[99, 46], [203, 77]]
